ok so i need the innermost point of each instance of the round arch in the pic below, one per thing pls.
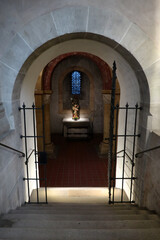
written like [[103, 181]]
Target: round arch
[[130, 83], [103, 67], [128, 48]]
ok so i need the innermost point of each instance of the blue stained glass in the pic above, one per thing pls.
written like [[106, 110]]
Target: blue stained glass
[[76, 82]]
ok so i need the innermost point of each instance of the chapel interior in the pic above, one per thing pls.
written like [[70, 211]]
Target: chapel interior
[[80, 119]]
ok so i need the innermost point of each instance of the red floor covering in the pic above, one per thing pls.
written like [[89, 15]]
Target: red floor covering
[[77, 164]]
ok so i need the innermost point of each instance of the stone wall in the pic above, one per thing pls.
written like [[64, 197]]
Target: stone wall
[[147, 191], [3, 122], [12, 188]]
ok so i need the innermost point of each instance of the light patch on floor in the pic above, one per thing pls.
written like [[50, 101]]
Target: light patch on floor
[[88, 195]]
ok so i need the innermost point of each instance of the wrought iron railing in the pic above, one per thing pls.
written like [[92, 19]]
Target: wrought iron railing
[[127, 155], [37, 154], [113, 141]]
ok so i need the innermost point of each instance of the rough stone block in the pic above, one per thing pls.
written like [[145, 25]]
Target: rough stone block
[[39, 31], [128, 57], [10, 22], [2, 111], [5, 127], [147, 54], [154, 110], [70, 19], [11, 173], [153, 73], [17, 53], [5, 40], [133, 38], [155, 96], [108, 23], [17, 87], [144, 87], [8, 76]]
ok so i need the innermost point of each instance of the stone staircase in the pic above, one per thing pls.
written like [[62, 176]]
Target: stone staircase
[[75, 221]]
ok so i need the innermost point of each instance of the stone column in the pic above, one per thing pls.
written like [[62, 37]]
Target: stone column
[[39, 120], [49, 146], [104, 147]]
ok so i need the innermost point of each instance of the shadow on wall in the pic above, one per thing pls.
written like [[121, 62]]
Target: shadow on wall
[[5, 127], [147, 171]]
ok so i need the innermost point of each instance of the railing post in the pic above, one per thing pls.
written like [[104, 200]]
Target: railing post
[[115, 150], [35, 154], [133, 151], [110, 155], [45, 168], [26, 149], [125, 138]]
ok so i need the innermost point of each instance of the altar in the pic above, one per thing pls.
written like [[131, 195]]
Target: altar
[[80, 128]]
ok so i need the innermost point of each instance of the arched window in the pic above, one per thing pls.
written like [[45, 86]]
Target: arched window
[[83, 94], [76, 83]]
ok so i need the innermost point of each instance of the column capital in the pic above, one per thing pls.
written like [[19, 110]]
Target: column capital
[[38, 92], [49, 92], [106, 91], [107, 98], [42, 92], [46, 98]]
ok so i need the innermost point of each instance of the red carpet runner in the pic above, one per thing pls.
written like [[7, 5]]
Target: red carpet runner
[[77, 165]]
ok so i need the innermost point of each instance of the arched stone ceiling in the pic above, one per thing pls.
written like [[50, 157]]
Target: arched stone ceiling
[[126, 76], [97, 39], [103, 67]]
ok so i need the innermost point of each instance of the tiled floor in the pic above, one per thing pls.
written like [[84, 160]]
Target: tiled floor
[[77, 164]]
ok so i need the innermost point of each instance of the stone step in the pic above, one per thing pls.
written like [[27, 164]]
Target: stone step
[[80, 211], [79, 234], [116, 205], [80, 217], [79, 206], [48, 224]]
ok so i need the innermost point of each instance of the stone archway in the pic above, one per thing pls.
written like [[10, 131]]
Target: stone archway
[[97, 48], [134, 62]]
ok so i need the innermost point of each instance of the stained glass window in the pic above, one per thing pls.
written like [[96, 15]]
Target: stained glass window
[[76, 82]]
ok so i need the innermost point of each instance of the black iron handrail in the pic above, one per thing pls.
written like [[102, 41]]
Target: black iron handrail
[[147, 150], [13, 149]]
